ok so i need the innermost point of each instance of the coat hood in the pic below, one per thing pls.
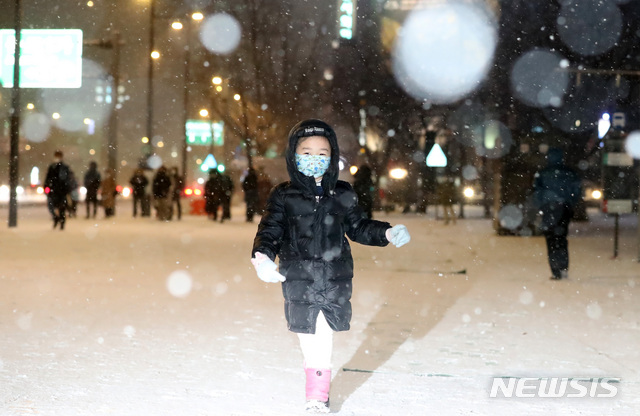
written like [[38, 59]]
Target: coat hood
[[307, 128]]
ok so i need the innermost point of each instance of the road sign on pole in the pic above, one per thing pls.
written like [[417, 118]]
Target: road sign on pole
[[49, 58]]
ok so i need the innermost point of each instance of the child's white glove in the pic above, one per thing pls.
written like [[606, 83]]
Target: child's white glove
[[398, 235], [266, 269]]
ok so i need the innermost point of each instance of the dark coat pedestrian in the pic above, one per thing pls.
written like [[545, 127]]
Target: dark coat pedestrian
[[139, 184], [213, 194], [108, 193], [363, 186], [92, 182], [74, 196], [447, 197], [264, 189], [177, 186], [161, 189], [227, 192], [57, 182], [557, 190], [250, 188]]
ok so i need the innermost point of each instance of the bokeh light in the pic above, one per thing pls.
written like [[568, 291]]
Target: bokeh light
[[444, 51], [154, 161], [470, 173], [594, 310], [492, 139], [632, 144], [220, 33], [510, 217], [36, 127], [537, 79], [179, 283], [589, 27]]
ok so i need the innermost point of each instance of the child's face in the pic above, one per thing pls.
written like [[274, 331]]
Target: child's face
[[314, 145]]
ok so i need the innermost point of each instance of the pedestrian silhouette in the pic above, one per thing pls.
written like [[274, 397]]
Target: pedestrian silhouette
[[161, 189], [92, 181], [57, 182], [227, 187], [177, 186], [139, 184], [363, 185], [557, 190], [250, 188], [447, 197], [213, 194], [108, 193]]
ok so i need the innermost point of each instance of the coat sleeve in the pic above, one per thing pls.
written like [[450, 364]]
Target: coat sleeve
[[363, 230], [268, 239]]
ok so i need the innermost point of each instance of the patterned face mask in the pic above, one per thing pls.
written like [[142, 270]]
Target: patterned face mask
[[312, 165]]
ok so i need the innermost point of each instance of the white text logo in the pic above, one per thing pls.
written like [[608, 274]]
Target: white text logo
[[554, 387]]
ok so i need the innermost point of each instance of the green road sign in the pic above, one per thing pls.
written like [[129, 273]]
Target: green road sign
[[203, 133], [49, 58]]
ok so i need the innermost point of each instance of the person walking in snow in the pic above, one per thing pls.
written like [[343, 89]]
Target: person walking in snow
[[92, 181], [74, 197], [250, 188], [213, 194], [264, 189], [227, 192], [161, 189], [139, 184], [58, 185], [363, 186], [557, 191], [177, 186], [447, 197], [109, 190], [304, 224]]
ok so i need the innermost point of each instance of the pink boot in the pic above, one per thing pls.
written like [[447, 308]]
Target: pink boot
[[317, 389]]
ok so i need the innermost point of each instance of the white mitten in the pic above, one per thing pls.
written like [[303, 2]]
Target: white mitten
[[398, 235], [266, 269]]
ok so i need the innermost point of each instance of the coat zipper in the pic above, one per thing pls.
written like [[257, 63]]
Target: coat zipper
[[315, 209]]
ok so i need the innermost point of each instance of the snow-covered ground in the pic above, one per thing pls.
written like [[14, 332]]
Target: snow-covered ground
[[134, 317]]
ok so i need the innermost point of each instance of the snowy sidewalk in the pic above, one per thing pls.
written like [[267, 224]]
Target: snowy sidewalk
[[135, 317]]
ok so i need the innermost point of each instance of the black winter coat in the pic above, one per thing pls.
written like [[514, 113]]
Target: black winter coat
[[57, 180], [307, 232]]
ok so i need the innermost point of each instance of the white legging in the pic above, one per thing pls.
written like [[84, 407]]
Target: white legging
[[317, 348]]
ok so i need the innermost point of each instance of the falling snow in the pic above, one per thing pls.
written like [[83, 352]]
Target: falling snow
[[137, 317]]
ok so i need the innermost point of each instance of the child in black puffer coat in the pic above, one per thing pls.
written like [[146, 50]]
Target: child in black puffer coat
[[305, 224]]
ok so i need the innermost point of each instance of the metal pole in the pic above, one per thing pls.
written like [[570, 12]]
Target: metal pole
[[112, 139], [15, 121], [148, 147], [187, 85], [616, 231]]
